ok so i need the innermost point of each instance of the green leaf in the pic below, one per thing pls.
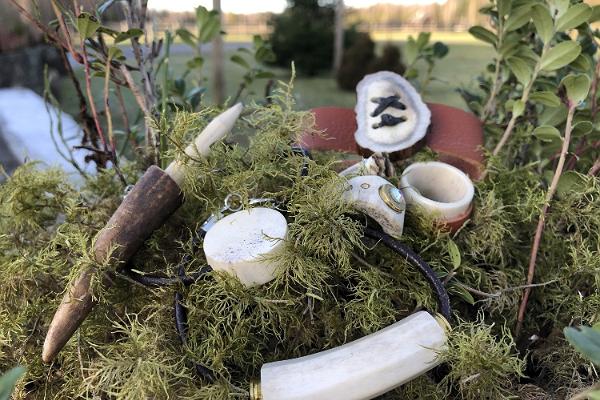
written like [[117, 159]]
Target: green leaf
[[8, 382], [196, 62], [236, 58], [558, 7], [517, 18], [582, 128], [586, 340], [264, 54], [423, 39], [411, 51], [574, 16], [595, 395], [503, 7], [209, 24], [544, 24], [518, 108], [115, 53], [454, 253], [521, 69], [87, 25], [547, 133], [510, 45], [264, 75], [546, 98], [257, 41], [560, 55], [595, 15], [570, 181], [577, 86], [582, 63], [460, 291], [187, 37], [129, 34], [485, 35], [553, 115], [440, 50]]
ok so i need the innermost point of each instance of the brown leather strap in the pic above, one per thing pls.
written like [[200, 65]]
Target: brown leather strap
[[456, 135]]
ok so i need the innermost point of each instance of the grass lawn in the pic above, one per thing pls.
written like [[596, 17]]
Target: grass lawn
[[460, 68]]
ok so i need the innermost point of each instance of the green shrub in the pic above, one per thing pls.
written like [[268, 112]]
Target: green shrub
[[359, 59], [304, 34]]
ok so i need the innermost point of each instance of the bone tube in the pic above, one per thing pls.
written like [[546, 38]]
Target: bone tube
[[153, 199], [359, 370]]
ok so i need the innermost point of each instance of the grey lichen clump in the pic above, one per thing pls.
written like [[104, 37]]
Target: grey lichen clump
[[332, 287]]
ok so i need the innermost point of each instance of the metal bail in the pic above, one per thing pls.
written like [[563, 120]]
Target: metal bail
[[255, 392], [392, 197]]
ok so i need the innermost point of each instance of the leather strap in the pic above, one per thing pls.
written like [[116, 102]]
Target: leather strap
[[456, 135]]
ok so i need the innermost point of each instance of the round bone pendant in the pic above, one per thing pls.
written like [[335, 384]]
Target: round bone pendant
[[380, 200], [244, 243]]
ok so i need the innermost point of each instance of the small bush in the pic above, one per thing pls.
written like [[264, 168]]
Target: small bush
[[360, 60]]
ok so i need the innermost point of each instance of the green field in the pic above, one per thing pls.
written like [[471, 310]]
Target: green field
[[460, 68]]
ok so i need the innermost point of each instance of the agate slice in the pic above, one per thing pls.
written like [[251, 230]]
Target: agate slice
[[389, 112]]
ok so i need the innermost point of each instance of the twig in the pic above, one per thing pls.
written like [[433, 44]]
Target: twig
[[489, 105], [581, 146], [524, 98], [56, 39], [501, 292], [111, 137], [595, 168], [542, 220]]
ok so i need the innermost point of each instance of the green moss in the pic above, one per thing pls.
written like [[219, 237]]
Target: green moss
[[482, 365]]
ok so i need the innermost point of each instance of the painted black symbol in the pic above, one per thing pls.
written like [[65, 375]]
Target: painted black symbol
[[385, 102], [388, 120], [382, 104]]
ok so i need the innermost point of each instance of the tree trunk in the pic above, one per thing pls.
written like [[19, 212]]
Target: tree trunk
[[338, 46], [217, 56]]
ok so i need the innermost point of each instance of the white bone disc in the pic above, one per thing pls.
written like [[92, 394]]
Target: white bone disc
[[244, 243], [437, 188], [369, 195]]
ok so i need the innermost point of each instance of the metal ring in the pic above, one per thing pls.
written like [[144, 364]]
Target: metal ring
[[229, 200]]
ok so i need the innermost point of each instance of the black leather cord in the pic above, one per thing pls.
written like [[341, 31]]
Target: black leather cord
[[422, 266]]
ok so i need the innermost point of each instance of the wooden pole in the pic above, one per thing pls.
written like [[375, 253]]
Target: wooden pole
[[338, 45], [217, 56]]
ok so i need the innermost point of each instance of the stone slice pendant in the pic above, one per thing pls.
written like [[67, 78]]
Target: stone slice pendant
[[389, 112], [438, 189], [246, 243], [362, 369], [380, 200]]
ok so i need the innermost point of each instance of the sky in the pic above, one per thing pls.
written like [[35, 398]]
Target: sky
[[254, 6]]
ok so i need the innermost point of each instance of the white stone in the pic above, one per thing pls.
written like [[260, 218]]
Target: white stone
[[437, 188], [389, 138], [245, 244], [216, 130], [362, 369], [364, 194]]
